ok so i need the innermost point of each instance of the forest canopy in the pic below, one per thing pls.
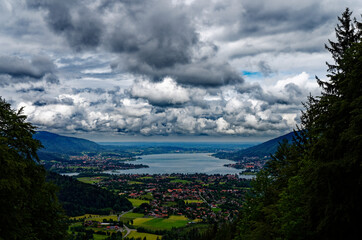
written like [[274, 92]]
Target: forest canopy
[[29, 207], [311, 189]]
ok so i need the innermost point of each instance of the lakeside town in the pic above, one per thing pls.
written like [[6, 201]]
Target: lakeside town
[[163, 202], [92, 163], [197, 196]]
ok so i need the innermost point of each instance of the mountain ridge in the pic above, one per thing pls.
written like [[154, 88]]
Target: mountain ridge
[[262, 150], [55, 143]]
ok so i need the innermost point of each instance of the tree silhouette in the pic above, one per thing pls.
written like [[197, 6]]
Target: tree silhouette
[[28, 204]]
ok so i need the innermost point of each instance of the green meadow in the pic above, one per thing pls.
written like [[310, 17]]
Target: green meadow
[[161, 223], [143, 235], [137, 202], [90, 180], [193, 201], [132, 215], [180, 181]]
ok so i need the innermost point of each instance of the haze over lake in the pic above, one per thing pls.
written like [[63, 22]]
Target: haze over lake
[[181, 163]]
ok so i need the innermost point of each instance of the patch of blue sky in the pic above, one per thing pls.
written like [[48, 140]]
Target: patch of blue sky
[[252, 74]]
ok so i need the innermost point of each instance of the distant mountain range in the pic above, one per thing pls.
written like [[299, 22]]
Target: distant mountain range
[[261, 150], [54, 143]]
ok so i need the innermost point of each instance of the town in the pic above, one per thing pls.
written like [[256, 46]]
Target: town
[[208, 198], [166, 202], [92, 163]]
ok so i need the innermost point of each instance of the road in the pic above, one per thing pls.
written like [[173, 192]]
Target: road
[[129, 230], [203, 199], [124, 226], [119, 216]]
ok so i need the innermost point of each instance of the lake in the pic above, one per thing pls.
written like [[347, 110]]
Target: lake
[[181, 163]]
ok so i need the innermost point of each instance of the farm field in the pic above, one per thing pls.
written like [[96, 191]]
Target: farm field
[[193, 201], [180, 181], [137, 202], [142, 235], [133, 215], [135, 182], [161, 223], [100, 237], [147, 196], [146, 177], [90, 180]]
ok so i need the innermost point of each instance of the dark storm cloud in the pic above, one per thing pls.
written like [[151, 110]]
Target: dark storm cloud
[[201, 73], [18, 67], [32, 89], [147, 67], [15, 69], [81, 27], [152, 38], [274, 17], [159, 35]]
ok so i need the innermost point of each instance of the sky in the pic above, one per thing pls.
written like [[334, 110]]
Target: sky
[[165, 70]]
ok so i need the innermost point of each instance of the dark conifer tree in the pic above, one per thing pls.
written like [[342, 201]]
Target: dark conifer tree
[[313, 188]]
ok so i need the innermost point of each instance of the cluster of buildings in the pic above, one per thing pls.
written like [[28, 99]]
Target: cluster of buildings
[[196, 196]]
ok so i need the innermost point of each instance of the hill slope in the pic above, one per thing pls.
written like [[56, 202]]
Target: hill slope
[[55, 143], [80, 198], [261, 150]]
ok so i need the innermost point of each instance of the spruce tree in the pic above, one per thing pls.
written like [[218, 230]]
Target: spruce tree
[[312, 189]]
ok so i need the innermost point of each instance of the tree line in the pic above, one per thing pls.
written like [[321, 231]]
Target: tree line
[[312, 187]]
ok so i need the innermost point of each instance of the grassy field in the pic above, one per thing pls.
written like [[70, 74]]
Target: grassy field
[[84, 216], [161, 223], [137, 202], [180, 181], [216, 209], [134, 182], [142, 235], [90, 180], [193, 201], [146, 178], [133, 215], [174, 217], [147, 196], [100, 218], [100, 237]]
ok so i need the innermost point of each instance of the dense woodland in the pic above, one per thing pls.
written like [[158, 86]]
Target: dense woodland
[[79, 198], [29, 207], [310, 189]]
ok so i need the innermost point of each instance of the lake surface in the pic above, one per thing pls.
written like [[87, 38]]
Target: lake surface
[[181, 163]]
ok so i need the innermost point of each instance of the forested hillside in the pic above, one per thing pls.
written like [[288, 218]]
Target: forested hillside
[[261, 150], [79, 198], [55, 143], [312, 188]]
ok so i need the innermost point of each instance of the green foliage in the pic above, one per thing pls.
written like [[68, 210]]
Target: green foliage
[[28, 204], [312, 189], [79, 198]]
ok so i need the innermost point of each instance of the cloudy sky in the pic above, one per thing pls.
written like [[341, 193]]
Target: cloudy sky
[[128, 70]]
